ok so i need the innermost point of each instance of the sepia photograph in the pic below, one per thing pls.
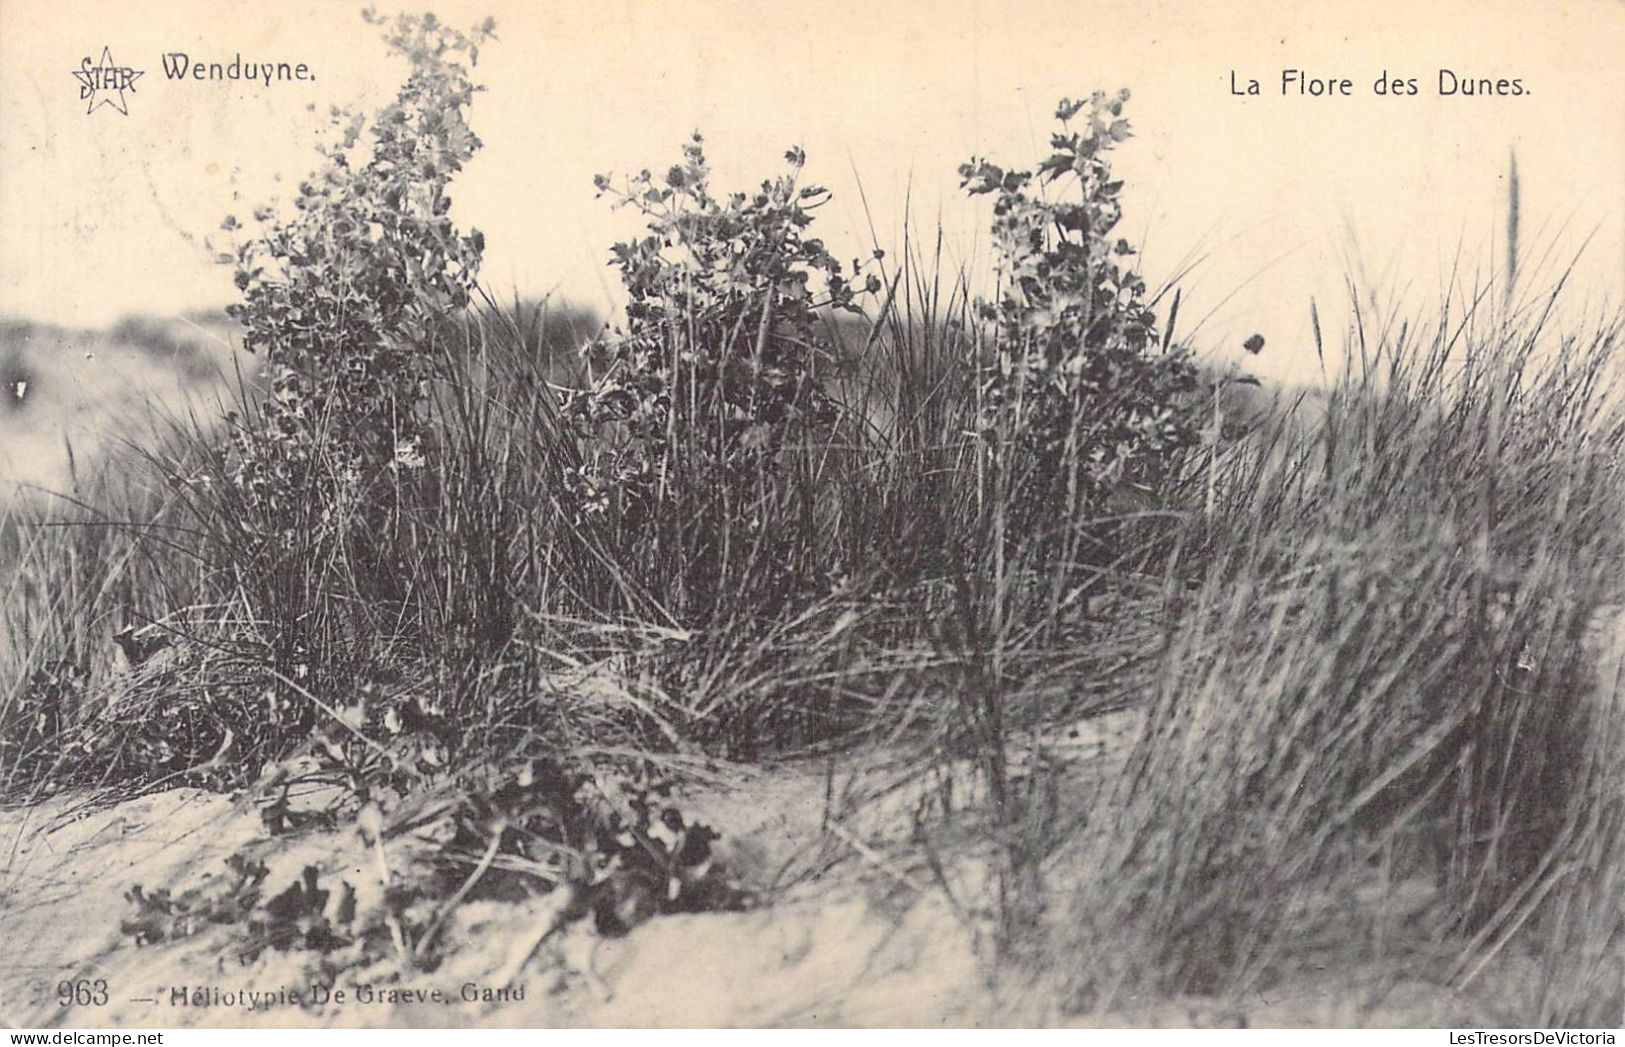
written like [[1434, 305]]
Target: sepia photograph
[[762, 514]]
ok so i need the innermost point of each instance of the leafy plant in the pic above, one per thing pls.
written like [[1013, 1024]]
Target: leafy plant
[[719, 358], [344, 297], [1079, 397], [695, 417], [217, 899]]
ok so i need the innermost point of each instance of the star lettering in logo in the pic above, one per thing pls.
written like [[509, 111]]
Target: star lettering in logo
[[105, 83]]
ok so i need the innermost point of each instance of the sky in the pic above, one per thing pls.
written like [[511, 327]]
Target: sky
[[1276, 198]]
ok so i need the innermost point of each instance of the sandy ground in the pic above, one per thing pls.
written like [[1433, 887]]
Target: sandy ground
[[857, 929], [851, 936]]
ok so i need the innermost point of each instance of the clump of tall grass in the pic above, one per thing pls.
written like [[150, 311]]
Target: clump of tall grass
[[78, 566], [1379, 659]]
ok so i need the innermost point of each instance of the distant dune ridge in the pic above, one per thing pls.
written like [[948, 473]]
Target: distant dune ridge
[[85, 389], [63, 387]]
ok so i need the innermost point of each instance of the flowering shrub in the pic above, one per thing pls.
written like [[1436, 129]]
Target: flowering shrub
[[1077, 387], [716, 366], [345, 294], [342, 296]]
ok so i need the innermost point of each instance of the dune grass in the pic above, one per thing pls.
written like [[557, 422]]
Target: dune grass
[[1380, 665], [1366, 646], [1363, 640]]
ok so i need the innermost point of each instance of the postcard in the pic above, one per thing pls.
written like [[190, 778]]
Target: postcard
[[747, 513]]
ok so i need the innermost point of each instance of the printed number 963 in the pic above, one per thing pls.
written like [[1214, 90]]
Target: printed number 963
[[82, 992]]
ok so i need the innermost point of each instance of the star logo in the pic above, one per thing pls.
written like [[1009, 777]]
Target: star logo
[[105, 83]]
